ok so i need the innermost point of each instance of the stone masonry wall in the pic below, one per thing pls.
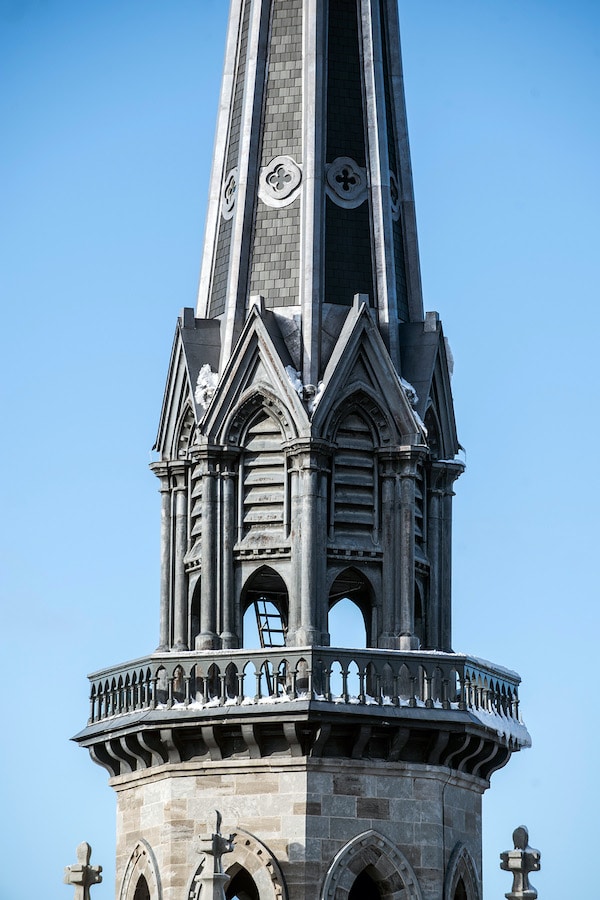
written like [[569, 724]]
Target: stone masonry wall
[[304, 814]]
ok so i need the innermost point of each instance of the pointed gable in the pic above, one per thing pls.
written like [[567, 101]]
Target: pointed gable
[[360, 363], [425, 365], [196, 343], [256, 372]]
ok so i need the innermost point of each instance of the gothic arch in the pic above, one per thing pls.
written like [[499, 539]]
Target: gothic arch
[[461, 867], [255, 857], [265, 583], [388, 867], [259, 397], [184, 432], [365, 403], [142, 863], [353, 584]]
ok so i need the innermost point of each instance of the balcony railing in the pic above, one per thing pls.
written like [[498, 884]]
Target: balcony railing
[[195, 681]]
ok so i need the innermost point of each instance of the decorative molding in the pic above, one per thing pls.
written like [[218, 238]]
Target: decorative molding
[[346, 182], [229, 193], [279, 182], [461, 865], [255, 857], [387, 866], [141, 862]]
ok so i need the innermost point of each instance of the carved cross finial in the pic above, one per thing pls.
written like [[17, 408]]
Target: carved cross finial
[[82, 875], [521, 861], [217, 845]]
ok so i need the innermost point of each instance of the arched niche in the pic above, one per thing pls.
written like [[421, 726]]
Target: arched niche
[[385, 865], [141, 880], [351, 590], [258, 865], [265, 607], [461, 881]]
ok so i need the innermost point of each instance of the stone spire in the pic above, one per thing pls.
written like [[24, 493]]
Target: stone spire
[[306, 454], [311, 197], [308, 414]]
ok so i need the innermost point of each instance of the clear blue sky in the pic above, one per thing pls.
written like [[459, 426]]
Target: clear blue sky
[[108, 111]]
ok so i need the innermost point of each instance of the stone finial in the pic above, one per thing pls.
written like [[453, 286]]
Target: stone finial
[[521, 861], [215, 845], [82, 875]]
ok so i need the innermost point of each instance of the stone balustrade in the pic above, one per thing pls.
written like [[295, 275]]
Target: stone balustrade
[[191, 680]]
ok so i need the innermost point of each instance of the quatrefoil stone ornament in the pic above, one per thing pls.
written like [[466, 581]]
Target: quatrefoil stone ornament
[[346, 182], [279, 181], [229, 194]]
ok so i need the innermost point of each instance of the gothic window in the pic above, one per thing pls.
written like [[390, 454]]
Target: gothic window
[[241, 887], [262, 481], [364, 888], [142, 892], [354, 512]]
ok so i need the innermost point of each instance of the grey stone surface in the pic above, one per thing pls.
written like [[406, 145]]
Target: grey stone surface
[[82, 875], [520, 862]]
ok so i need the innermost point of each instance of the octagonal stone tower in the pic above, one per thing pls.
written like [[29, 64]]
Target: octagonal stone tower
[[306, 456]]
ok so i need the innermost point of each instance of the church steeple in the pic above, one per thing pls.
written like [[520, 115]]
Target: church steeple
[[306, 454], [311, 194]]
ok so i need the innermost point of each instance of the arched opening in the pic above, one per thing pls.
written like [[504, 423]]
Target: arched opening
[[142, 891], [265, 610], [241, 887], [364, 888], [350, 611], [460, 892]]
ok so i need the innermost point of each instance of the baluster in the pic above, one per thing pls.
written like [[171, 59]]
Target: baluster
[[464, 690], [378, 692], [344, 667], [309, 680], [445, 693], [223, 681], [258, 674], [294, 677], [154, 689], [427, 691], [396, 689], [92, 709], [187, 680], [240, 686], [361, 685], [412, 701]]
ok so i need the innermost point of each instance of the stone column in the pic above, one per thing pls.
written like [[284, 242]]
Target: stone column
[[229, 639], [386, 639], [443, 474], [180, 606], [162, 472], [208, 638], [308, 540], [409, 459]]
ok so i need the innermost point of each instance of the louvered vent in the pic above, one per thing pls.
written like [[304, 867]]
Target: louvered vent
[[263, 480], [354, 493]]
